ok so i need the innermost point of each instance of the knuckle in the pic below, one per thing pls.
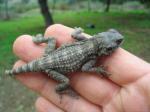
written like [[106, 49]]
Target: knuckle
[[53, 27], [18, 42]]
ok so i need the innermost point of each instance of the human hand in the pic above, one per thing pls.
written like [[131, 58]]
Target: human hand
[[126, 90]]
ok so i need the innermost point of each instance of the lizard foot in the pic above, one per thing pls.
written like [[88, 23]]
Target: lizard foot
[[102, 70], [69, 91]]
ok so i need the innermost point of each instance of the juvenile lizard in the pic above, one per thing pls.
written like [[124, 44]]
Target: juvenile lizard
[[80, 55]]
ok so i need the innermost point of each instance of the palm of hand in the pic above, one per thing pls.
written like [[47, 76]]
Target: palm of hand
[[127, 89], [132, 97]]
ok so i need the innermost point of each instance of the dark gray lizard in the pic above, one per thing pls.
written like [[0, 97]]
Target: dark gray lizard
[[78, 56]]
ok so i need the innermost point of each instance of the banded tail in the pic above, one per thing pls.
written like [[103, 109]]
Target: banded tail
[[29, 67]]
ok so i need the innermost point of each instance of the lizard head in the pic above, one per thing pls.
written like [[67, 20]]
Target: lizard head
[[108, 41]]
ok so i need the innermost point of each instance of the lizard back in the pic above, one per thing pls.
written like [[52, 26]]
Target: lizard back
[[70, 58]]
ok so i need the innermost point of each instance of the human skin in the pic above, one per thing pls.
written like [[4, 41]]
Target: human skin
[[126, 90]]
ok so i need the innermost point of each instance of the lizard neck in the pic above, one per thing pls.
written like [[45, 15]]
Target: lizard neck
[[95, 45]]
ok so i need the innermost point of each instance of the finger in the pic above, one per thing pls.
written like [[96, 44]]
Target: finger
[[25, 49], [94, 91], [43, 105], [61, 33], [46, 87], [124, 67], [97, 90]]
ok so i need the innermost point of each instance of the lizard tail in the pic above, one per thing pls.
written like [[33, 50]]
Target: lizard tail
[[29, 67]]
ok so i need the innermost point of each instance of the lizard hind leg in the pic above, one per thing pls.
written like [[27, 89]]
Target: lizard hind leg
[[63, 87], [51, 43], [64, 81]]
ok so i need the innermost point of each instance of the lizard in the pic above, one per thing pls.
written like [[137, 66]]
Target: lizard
[[80, 55]]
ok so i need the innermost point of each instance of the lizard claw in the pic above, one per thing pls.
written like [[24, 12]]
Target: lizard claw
[[102, 70]]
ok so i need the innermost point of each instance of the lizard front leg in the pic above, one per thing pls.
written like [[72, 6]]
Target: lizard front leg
[[64, 81], [50, 41], [77, 34], [89, 67]]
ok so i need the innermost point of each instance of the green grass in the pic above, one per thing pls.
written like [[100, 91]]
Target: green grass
[[135, 26]]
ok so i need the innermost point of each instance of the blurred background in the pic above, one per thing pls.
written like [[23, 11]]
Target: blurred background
[[17, 17]]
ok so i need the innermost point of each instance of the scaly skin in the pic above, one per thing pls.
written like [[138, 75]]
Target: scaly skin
[[78, 56]]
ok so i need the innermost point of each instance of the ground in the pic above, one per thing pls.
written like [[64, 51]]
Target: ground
[[135, 26]]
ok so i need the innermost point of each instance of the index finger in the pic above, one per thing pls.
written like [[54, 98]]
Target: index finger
[[124, 66]]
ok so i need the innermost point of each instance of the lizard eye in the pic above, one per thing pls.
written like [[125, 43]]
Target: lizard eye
[[118, 41]]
